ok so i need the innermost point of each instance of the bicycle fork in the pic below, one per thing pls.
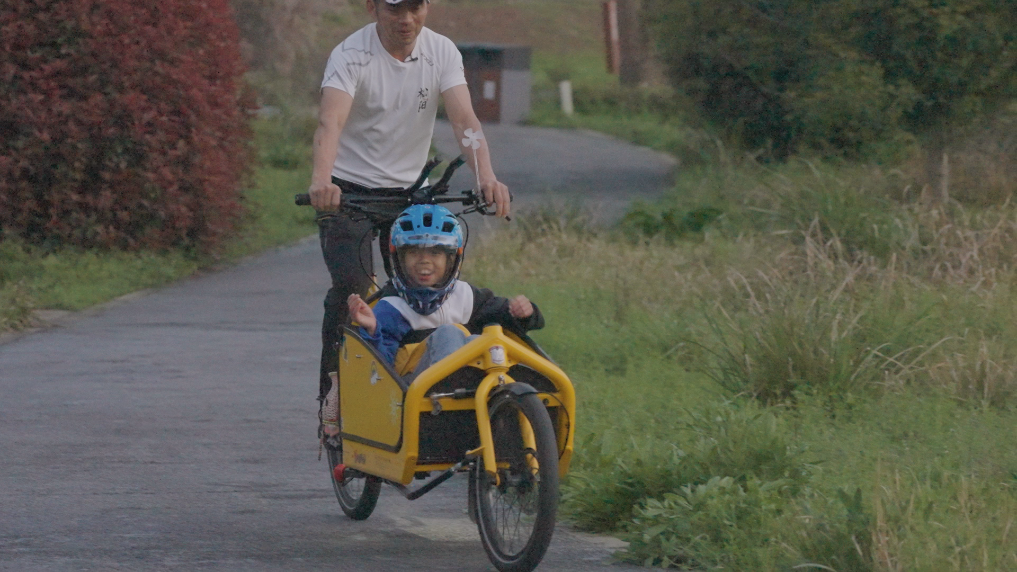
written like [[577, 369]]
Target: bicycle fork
[[497, 379]]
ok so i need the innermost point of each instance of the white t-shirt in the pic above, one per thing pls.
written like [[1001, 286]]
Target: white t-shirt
[[388, 134]]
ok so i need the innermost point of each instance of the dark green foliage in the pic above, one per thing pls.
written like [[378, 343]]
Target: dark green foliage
[[844, 78], [954, 57], [716, 524], [672, 223], [849, 110], [16, 303], [740, 441], [750, 525], [739, 60], [284, 139]]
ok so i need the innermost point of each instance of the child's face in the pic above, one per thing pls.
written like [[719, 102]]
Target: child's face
[[425, 266]]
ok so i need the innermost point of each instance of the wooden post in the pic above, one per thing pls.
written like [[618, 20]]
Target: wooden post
[[944, 179], [633, 45], [611, 36]]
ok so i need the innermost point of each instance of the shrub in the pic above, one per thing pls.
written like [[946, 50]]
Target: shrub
[[844, 77], [15, 307], [750, 525], [283, 140], [737, 440], [717, 524], [835, 121], [672, 223], [122, 122]]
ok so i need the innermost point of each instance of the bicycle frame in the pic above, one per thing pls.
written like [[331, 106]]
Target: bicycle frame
[[395, 431], [381, 413]]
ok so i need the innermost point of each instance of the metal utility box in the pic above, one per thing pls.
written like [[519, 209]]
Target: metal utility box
[[499, 80]]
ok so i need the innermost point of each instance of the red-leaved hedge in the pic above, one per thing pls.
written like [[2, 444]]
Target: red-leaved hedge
[[123, 123]]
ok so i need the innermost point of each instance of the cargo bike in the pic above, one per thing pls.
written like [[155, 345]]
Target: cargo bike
[[498, 409]]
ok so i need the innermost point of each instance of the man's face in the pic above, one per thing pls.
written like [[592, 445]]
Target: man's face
[[399, 24]]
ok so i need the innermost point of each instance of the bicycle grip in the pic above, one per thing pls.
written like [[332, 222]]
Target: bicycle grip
[[302, 199]]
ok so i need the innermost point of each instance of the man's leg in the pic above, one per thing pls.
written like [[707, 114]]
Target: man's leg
[[346, 248]]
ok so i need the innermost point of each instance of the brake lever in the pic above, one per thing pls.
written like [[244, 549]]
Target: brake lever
[[479, 206]]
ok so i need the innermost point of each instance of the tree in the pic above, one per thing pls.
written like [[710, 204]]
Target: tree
[[122, 122], [837, 75], [738, 60], [956, 59], [634, 42]]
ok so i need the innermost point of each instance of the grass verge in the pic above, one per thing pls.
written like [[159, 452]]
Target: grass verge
[[72, 279], [768, 402], [795, 366]]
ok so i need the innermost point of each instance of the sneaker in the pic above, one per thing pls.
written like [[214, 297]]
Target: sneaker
[[330, 408]]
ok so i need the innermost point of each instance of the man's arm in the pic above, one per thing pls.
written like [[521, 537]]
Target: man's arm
[[332, 114], [460, 113]]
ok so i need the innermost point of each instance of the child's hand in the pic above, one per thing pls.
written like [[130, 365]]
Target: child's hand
[[520, 307], [361, 313]]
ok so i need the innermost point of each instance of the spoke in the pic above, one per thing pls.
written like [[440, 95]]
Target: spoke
[[512, 504], [512, 510]]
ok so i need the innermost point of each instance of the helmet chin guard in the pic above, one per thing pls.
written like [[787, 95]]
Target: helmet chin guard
[[426, 226]]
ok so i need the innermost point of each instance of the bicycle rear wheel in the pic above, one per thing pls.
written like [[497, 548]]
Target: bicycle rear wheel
[[516, 513], [357, 494]]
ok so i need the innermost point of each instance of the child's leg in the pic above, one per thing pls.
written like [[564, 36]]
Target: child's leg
[[443, 341]]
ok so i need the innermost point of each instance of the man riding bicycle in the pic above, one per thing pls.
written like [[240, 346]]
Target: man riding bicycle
[[375, 123]]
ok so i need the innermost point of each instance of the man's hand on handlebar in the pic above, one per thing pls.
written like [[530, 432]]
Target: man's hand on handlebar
[[382, 208], [495, 191], [325, 196]]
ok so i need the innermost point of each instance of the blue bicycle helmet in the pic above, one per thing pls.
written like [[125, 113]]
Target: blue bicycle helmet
[[426, 226]]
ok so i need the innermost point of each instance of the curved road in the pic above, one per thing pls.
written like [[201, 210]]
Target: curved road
[[543, 165], [175, 429]]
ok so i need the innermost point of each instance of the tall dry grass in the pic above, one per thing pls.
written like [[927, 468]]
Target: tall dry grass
[[769, 315], [886, 442], [886, 378], [871, 323]]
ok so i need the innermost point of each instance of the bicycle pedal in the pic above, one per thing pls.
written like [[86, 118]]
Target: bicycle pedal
[[338, 472], [421, 475]]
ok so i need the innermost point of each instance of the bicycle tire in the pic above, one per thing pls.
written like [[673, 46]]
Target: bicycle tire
[[516, 516], [357, 496]]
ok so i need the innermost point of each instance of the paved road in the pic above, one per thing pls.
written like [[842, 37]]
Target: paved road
[[542, 165], [175, 430]]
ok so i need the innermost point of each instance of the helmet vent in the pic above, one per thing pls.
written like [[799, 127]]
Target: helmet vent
[[427, 219], [448, 226], [406, 225]]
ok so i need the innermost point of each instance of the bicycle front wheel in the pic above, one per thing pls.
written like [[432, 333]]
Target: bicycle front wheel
[[516, 511], [357, 494]]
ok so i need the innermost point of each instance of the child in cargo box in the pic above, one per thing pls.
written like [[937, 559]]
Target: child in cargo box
[[426, 255]]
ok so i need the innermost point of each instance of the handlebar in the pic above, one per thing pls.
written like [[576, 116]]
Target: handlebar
[[357, 201], [380, 208]]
